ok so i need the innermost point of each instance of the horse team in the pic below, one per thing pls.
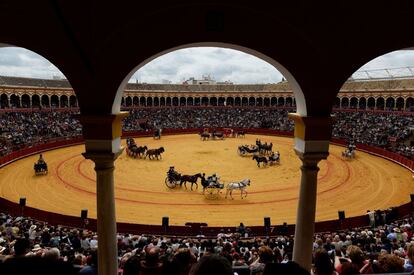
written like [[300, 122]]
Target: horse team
[[262, 153], [211, 185], [135, 151], [214, 135]]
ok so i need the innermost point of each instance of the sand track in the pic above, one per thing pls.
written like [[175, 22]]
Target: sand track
[[368, 182]]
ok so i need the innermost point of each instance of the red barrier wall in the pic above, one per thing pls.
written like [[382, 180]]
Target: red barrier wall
[[55, 218]]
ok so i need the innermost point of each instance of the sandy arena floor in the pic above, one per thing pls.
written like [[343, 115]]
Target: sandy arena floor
[[367, 182]]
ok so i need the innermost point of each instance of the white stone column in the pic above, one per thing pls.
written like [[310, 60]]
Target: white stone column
[[312, 136], [305, 218], [102, 135], [105, 204]]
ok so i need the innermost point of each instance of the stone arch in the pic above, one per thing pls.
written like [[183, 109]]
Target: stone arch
[[245, 101], [221, 101], [142, 101], [362, 103], [353, 103], [25, 101], [400, 104], [14, 101], [266, 102], [128, 101], [54, 101], [380, 103], [345, 103], [149, 101], [230, 101], [175, 101], [183, 101], [371, 103], [45, 101], [281, 101], [237, 101], [190, 101], [197, 101], [156, 101], [252, 101], [390, 103], [135, 101], [409, 104], [35, 101], [288, 102], [64, 101], [4, 101], [273, 101], [204, 101], [259, 101], [73, 102], [162, 101], [213, 101]]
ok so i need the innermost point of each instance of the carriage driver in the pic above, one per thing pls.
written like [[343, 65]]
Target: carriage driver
[[274, 156], [172, 172], [41, 160]]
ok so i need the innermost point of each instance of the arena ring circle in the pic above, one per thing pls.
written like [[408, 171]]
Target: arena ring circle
[[366, 182]]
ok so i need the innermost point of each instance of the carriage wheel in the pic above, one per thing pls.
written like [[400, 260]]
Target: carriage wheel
[[170, 184], [211, 193]]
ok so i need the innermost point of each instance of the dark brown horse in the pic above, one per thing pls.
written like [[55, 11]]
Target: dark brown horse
[[204, 136], [151, 153], [193, 179], [259, 160]]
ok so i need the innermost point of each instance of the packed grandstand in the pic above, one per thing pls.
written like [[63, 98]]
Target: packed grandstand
[[48, 111]]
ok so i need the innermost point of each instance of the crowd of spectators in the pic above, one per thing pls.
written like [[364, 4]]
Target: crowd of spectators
[[21, 129], [376, 129], [27, 243], [387, 130], [207, 118]]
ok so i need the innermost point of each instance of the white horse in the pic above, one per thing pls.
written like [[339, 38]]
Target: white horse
[[238, 185]]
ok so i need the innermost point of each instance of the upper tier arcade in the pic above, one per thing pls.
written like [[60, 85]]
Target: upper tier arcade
[[384, 94]]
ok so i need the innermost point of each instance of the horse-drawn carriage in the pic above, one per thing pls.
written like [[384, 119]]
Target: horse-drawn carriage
[[40, 167], [173, 179], [133, 150], [274, 158], [349, 152], [211, 186]]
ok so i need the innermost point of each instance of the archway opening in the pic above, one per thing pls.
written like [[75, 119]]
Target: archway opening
[[140, 75]]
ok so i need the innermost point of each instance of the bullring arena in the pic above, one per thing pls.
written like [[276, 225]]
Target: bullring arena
[[366, 182]]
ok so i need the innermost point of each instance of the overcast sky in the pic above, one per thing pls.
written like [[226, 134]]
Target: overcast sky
[[221, 64]]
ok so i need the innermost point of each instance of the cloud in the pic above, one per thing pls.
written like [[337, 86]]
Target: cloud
[[24, 63], [220, 63]]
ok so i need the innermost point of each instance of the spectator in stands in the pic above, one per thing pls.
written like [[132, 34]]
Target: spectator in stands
[[409, 261], [212, 264], [323, 264], [265, 256], [92, 267], [132, 266]]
